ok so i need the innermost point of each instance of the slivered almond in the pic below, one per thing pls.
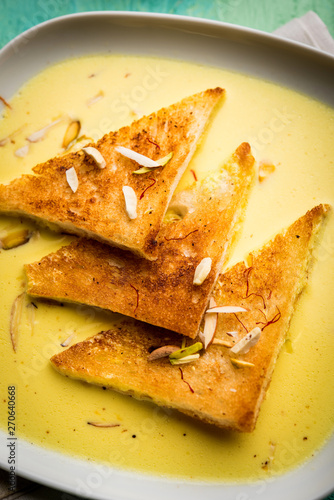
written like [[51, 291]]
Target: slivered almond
[[72, 179], [95, 99], [130, 202], [202, 271], [244, 344], [238, 363], [68, 340], [40, 134], [223, 343], [162, 352], [15, 319], [102, 424], [71, 133], [226, 309], [139, 158], [210, 326], [22, 152], [96, 156]]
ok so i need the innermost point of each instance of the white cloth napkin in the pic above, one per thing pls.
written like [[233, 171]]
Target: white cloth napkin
[[308, 29]]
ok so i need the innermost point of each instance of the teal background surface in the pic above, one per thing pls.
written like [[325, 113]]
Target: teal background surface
[[267, 15], [17, 16]]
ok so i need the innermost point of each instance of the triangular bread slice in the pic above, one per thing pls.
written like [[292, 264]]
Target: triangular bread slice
[[211, 388], [159, 292], [97, 209]]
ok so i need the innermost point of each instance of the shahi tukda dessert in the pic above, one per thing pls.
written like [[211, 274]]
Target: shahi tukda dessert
[[181, 273]]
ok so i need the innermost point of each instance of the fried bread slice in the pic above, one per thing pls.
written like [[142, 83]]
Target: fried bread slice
[[97, 209], [159, 292], [212, 388]]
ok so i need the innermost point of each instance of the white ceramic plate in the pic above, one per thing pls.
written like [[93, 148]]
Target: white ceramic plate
[[303, 69]]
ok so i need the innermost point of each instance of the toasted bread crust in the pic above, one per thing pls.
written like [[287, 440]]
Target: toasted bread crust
[[97, 209], [210, 389], [159, 292]]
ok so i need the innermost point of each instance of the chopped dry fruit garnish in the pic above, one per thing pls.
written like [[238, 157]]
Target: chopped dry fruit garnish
[[265, 169], [96, 156], [202, 271], [130, 202], [210, 326], [142, 170], [9, 137], [143, 160], [226, 309], [238, 363], [186, 359], [166, 159], [162, 352], [96, 98], [71, 133], [68, 340], [72, 179], [102, 424], [40, 134], [22, 152], [15, 319], [186, 351], [15, 238], [244, 345], [223, 343]]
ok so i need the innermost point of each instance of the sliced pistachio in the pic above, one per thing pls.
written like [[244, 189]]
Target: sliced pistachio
[[142, 170], [71, 133], [162, 352], [166, 159], [186, 359], [14, 239], [238, 363], [186, 351]]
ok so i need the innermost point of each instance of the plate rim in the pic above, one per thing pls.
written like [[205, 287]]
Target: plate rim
[[183, 23]]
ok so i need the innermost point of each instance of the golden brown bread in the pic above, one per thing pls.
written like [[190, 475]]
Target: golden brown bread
[[211, 388], [158, 292], [97, 208]]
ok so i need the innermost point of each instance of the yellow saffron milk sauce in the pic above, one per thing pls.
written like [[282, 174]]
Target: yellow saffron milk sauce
[[286, 129]]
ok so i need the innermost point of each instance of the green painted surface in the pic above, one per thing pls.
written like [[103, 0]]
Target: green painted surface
[[267, 15]]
